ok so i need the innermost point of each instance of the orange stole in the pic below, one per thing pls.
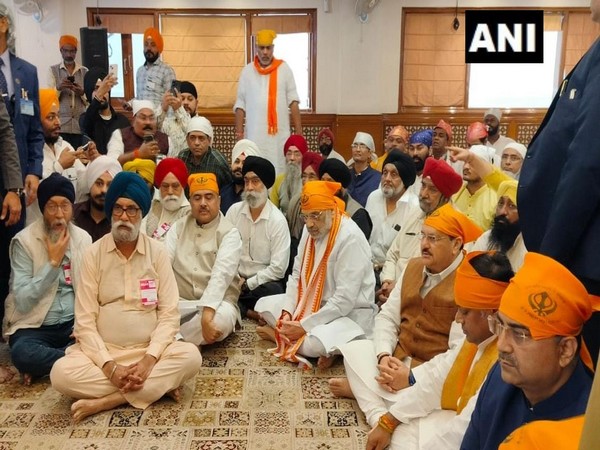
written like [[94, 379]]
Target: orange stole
[[462, 383], [272, 99]]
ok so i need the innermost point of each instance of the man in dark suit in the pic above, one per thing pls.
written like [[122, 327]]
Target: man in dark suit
[[559, 191], [19, 85]]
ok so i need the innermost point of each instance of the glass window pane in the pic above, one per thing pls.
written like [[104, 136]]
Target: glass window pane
[[517, 85], [294, 49], [115, 56], [137, 44]]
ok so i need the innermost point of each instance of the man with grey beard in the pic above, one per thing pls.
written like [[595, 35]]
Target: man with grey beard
[[171, 204], [265, 236], [45, 262], [289, 184]]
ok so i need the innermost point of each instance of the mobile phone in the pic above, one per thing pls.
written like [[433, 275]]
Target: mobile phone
[[113, 70], [71, 78], [175, 87]]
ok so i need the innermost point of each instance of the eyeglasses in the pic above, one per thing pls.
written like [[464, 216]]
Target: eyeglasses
[[517, 335], [312, 216], [431, 238], [360, 146], [52, 208], [131, 211], [513, 158], [309, 176]]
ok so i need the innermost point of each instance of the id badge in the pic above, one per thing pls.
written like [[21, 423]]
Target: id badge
[[67, 273], [150, 85], [148, 292], [160, 231], [26, 107]]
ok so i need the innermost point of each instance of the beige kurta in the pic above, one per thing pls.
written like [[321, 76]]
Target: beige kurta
[[112, 323]]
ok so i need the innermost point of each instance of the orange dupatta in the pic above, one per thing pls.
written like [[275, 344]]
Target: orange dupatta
[[272, 99]]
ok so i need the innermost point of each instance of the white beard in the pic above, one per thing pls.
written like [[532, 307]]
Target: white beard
[[171, 202]]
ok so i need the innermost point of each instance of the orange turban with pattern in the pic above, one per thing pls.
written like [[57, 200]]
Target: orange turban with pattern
[[446, 127], [399, 130], [546, 298], [203, 181], [67, 39], [475, 132], [48, 99], [453, 223], [155, 35], [471, 290], [546, 434], [319, 196]]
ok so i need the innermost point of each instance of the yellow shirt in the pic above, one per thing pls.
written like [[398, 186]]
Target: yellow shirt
[[479, 207]]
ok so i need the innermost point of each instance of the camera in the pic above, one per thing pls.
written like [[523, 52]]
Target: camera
[[71, 78], [175, 87]]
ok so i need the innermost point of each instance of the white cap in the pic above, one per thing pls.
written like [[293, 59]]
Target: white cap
[[364, 138], [520, 148], [200, 123], [136, 105], [484, 152], [493, 112], [245, 146], [98, 166]]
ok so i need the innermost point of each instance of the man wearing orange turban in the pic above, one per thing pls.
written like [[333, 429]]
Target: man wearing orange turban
[[540, 373], [205, 251], [266, 98], [67, 77], [435, 412], [155, 77], [170, 178], [329, 297]]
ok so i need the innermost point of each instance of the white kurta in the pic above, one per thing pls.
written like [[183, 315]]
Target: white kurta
[[252, 96], [347, 308], [386, 226]]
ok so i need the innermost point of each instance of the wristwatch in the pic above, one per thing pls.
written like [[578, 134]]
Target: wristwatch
[[18, 191]]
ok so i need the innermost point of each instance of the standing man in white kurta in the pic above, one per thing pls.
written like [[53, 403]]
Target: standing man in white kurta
[[329, 297], [205, 250], [266, 96]]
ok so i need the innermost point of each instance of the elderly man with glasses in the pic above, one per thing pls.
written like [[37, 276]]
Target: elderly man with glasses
[[365, 179], [329, 297], [126, 316], [540, 373], [45, 261]]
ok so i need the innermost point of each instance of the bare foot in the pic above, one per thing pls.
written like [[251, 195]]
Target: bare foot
[[87, 407], [26, 379], [340, 387], [6, 374], [175, 394], [325, 362], [267, 333]]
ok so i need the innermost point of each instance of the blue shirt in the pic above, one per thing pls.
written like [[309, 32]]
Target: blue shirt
[[363, 184], [502, 408]]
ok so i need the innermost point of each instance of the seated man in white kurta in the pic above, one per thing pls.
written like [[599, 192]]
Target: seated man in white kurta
[[329, 296], [435, 411], [205, 250]]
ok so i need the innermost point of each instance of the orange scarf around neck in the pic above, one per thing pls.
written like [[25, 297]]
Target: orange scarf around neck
[[271, 70], [310, 292]]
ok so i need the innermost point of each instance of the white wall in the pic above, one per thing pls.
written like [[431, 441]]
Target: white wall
[[357, 64]]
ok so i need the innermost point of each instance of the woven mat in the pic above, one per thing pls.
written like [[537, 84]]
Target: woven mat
[[243, 398]]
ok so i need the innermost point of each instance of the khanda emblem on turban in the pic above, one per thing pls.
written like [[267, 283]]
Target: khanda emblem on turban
[[542, 304], [304, 199]]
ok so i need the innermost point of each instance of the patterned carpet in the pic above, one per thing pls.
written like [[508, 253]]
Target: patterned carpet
[[243, 398]]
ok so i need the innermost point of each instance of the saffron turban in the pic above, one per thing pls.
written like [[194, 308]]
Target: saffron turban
[[326, 132], [312, 159], [424, 137], [245, 147], [265, 38], [128, 185], [67, 39], [546, 298], [263, 168], [297, 141], [404, 165], [508, 188], [154, 34], [203, 181], [364, 138], [476, 131], [319, 195], [143, 167], [48, 99], [453, 223], [53, 185], [202, 124], [399, 130], [171, 165], [337, 170], [564, 434], [471, 290], [445, 179], [99, 166], [446, 127]]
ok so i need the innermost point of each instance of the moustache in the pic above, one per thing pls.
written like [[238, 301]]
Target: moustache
[[127, 225], [502, 356], [148, 127]]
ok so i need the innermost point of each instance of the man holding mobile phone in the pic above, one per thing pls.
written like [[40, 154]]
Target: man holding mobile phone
[[179, 105], [67, 77]]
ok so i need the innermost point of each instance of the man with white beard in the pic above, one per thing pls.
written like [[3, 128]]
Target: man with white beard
[[265, 236], [45, 262], [289, 184], [170, 204]]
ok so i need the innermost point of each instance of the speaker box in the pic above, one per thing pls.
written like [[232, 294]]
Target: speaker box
[[94, 47]]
